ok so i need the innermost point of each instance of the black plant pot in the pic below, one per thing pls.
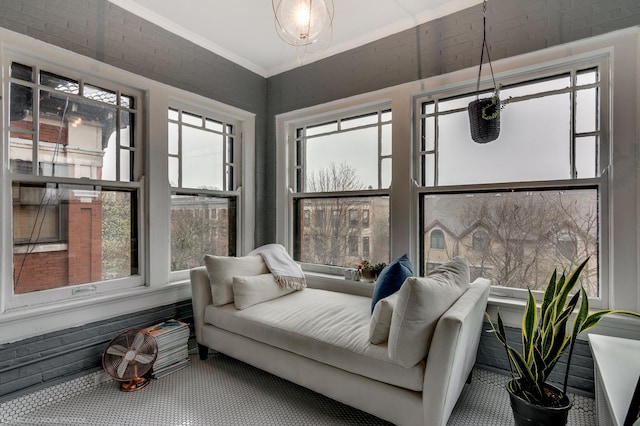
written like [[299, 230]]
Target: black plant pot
[[484, 130], [528, 414]]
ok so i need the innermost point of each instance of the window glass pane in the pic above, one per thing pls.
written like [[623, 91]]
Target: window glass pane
[[428, 134], [428, 107], [329, 233], [173, 139], [385, 173], [202, 159], [192, 119], [362, 120], [523, 235], [21, 72], [354, 152], [173, 172], [213, 125], [127, 101], [428, 165], [458, 102], [173, 114], [20, 112], [61, 84], [100, 94], [534, 87], [519, 154], [586, 110], [127, 121], [201, 224], [322, 128], [385, 116], [102, 245], [386, 139], [586, 157], [126, 164], [587, 77]]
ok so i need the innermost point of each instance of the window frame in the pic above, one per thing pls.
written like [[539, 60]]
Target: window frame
[[515, 76], [232, 189], [289, 131], [135, 184], [158, 286]]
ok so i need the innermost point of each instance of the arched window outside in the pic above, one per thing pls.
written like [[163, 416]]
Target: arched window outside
[[437, 239]]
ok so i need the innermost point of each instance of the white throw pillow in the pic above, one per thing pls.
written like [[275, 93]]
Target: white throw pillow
[[421, 302], [381, 319], [222, 269], [248, 291]]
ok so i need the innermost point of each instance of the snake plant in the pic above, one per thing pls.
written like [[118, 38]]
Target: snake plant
[[546, 335]]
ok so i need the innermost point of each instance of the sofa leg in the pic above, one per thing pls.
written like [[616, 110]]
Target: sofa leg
[[470, 377], [203, 351]]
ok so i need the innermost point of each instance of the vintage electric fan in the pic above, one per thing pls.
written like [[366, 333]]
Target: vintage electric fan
[[128, 357]]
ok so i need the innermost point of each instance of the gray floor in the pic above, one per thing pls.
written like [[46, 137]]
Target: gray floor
[[223, 391]]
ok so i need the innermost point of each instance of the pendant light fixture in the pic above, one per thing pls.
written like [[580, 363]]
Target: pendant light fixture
[[305, 24]]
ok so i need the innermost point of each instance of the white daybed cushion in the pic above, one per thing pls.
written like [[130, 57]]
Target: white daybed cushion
[[420, 303], [222, 269], [381, 319], [247, 291], [326, 326]]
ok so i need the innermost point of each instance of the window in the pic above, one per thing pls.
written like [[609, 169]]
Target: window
[[75, 158], [354, 218], [202, 174], [365, 247], [437, 239], [353, 245], [365, 218], [524, 188], [480, 241], [342, 166]]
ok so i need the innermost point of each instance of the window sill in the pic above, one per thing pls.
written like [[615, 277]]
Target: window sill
[[21, 323], [338, 283], [511, 309]]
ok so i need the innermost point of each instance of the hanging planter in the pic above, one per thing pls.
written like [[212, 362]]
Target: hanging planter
[[484, 113]]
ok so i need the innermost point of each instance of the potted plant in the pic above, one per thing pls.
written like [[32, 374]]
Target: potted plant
[[370, 271], [484, 117], [545, 337]]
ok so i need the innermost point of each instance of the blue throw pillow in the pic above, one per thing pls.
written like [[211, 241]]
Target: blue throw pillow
[[391, 278]]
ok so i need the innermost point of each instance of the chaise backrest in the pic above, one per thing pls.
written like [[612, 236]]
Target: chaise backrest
[[452, 353]]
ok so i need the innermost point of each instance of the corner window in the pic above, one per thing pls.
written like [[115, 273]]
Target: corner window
[[202, 175], [342, 171], [528, 202], [75, 159]]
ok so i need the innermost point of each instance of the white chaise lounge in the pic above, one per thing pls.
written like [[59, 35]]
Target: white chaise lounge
[[321, 339]]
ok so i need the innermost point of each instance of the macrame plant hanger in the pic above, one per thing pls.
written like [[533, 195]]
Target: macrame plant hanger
[[484, 113]]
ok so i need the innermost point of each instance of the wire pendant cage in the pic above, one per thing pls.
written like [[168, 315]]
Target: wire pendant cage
[[305, 24]]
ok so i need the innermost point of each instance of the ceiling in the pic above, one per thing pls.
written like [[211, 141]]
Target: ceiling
[[243, 31]]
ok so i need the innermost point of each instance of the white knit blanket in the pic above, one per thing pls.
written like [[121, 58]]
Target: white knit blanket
[[285, 270]]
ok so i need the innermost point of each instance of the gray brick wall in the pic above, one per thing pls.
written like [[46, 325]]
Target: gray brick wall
[[492, 356], [30, 364]]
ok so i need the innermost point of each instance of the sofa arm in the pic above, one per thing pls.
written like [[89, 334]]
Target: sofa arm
[[200, 297], [452, 353]]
